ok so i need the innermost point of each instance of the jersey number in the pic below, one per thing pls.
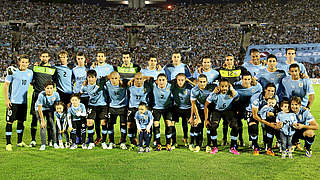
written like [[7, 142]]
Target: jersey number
[[24, 82]]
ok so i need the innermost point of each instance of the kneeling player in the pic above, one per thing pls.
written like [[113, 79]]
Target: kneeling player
[[44, 108], [144, 121], [223, 97], [15, 92]]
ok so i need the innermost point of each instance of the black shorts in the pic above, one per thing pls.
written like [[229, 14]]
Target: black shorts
[[65, 98], [115, 112], [17, 112], [250, 118], [183, 113], [299, 134], [166, 114], [33, 102], [84, 101], [131, 114], [227, 116], [97, 112]]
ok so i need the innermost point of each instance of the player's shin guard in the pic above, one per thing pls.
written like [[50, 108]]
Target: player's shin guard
[[254, 135], [73, 134], [185, 129], [83, 135], [104, 133], [34, 127], [240, 130], [225, 131], [197, 136], [20, 128], [123, 129], [213, 137], [208, 137], [98, 129], [309, 142], [130, 135], [269, 139], [111, 133], [168, 133], [90, 132], [8, 133], [192, 137], [156, 136], [174, 135], [234, 136]]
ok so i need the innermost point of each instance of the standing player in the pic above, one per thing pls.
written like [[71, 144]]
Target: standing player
[[153, 69], [254, 65], [162, 107], [103, 69], [128, 69], [294, 85], [44, 107], [80, 75], [306, 125], [207, 70], [117, 91], [223, 96], [42, 73], [97, 107], [181, 91], [198, 98], [15, 93], [64, 78], [137, 93], [290, 55], [171, 70], [246, 88]]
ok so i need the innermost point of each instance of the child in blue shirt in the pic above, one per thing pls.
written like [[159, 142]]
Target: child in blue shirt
[[144, 121], [287, 119], [62, 123]]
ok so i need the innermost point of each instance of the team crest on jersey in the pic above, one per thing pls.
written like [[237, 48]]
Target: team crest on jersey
[[29, 74], [185, 92], [291, 118], [279, 75], [300, 116], [301, 84], [145, 117], [54, 98], [253, 90]]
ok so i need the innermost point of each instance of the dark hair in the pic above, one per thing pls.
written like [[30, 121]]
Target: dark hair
[[24, 56], [162, 74], [80, 54], [143, 104], [101, 52], [284, 102], [202, 76], [253, 50], [125, 53], [176, 52], [272, 56], [48, 83], [60, 103], [152, 56], [267, 86], [77, 95], [287, 49], [92, 73], [205, 57], [246, 73], [296, 99], [63, 52], [294, 66], [181, 74], [223, 80], [45, 52]]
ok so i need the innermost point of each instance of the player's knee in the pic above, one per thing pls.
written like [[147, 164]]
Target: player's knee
[[156, 123], [90, 122], [234, 125], [129, 124], [123, 124], [308, 133], [103, 122], [215, 125], [252, 123], [10, 123]]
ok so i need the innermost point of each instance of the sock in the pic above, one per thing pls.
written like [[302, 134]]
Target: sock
[[73, 136], [98, 129], [233, 141], [225, 132], [309, 142], [90, 133], [20, 128], [83, 135], [240, 132], [157, 134], [168, 134], [8, 133], [104, 133], [174, 135], [213, 137], [123, 129], [208, 137], [111, 133], [269, 139], [192, 135], [185, 130], [130, 135], [34, 128]]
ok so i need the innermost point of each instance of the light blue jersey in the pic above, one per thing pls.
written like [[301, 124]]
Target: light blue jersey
[[64, 79], [19, 85], [153, 73], [118, 95], [181, 96], [47, 102], [201, 95], [253, 69], [76, 113], [80, 75], [264, 110], [246, 93], [304, 116], [212, 75], [222, 101], [265, 77], [145, 120], [284, 66], [96, 94], [61, 119], [137, 95], [288, 119], [103, 71], [301, 88], [172, 71], [162, 97], [258, 101]]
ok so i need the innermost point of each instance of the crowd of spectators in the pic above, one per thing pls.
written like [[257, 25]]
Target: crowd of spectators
[[194, 30]]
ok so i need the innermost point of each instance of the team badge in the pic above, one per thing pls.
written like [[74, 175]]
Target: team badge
[[146, 117], [54, 98], [301, 84], [300, 116], [29, 74], [185, 92], [253, 90], [291, 118], [279, 75]]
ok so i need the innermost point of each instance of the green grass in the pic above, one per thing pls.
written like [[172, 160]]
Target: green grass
[[30, 163]]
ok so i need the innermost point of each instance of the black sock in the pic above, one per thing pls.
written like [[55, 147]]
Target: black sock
[[225, 132], [240, 132], [185, 130], [98, 129], [309, 142], [130, 135], [174, 135], [8, 133], [157, 134], [123, 129], [213, 136], [168, 134], [192, 131], [208, 137], [104, 133], [73, 134], [20, 128], [90, 132], [34, 127], [111, 133]]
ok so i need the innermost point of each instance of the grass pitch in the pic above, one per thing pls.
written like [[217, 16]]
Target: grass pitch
[[30, 163]]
